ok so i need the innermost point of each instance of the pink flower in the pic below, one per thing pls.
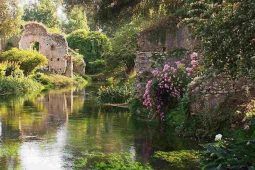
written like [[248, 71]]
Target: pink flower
[[193, 56], [178, 63], [166, 67], [189, 70], [193, 62], [155, 72]]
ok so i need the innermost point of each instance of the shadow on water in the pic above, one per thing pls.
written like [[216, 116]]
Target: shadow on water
[[48, 131]]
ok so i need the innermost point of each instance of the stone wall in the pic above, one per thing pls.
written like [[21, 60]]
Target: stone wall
[[172, 38], [149, 42], [209, 92], [53, 46]]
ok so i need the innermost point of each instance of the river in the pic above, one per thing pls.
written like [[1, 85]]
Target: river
[[49, 131]]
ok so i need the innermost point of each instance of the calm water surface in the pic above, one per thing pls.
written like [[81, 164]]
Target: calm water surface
[[48, 131]]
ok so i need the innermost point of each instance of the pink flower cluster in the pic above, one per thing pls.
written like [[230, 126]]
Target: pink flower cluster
[[147, 98], [165, 87]]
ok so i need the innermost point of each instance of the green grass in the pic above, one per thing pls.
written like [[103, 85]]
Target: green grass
[[10, 85], [59, 81]]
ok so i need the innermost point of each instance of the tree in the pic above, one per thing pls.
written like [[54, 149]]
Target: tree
[[76, 19], [44, 11], [10, 17], [92, 45], [124, 48]]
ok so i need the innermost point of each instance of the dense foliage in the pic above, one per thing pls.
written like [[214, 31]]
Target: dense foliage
[[76, 19], [10, 17], [12, 85], [109, 162], [124, 48], [166, 88], [45, 11], [92, 45], [115, 94], [28, 61], [229, 155], [226, 31]]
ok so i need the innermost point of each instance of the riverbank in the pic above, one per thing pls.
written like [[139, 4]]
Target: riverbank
[[38, 83]]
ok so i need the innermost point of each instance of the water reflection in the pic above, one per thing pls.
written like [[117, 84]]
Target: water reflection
[[48, 131]]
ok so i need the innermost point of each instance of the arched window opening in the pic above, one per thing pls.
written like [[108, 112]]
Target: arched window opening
[[35, 46]]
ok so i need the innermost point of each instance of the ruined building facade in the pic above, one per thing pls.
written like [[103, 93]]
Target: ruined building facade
[[53, 46]]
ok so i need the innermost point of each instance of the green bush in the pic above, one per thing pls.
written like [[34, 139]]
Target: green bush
[[95, 67], [115, 94], [109, 162], [229, 155], [11, 85], [28, 60], [92, 45]]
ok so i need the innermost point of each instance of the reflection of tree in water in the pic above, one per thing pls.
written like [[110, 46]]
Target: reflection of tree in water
[[9, 158]]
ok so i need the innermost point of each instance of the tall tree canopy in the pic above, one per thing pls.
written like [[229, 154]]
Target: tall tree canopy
[[45, 11], [10, 17], [76, 19]]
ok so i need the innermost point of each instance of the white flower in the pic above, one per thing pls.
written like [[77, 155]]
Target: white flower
[[218, 137]]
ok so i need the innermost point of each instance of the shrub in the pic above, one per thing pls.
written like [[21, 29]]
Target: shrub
[[109, 162], [10, 85], [95, 67], [115, 94], [229, 155], [28, 60], [92, 45], [167, 86]]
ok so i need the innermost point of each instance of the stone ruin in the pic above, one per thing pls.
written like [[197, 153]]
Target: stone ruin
[[149, 44], [159, 39], [53, 46]]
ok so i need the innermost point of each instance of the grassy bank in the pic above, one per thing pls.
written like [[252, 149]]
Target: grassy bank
[[58, 81], [37, 83], [10, 85]]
